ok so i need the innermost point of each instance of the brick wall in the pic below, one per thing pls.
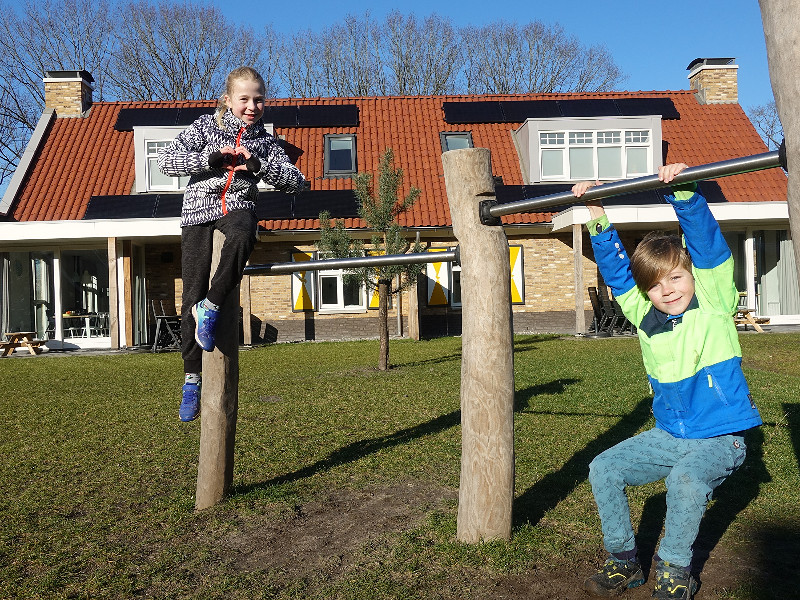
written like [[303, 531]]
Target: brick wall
[[69, 98], [717, 86], [549, 294]]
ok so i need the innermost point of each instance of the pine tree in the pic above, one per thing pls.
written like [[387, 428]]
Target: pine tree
[[379, 211]]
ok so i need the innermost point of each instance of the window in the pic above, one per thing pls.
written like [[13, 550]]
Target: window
[[609, 148], [571, 155], [455, 140], [340, 155], [148, 140], [338, 293]]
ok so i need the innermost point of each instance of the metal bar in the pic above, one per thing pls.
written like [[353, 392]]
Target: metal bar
[[734, 166], [413, 258]]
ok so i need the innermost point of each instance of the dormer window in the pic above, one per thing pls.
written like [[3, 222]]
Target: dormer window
[[607, 149]]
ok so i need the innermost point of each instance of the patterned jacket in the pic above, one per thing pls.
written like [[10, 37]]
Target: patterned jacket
[[211, 193], [694, 361]]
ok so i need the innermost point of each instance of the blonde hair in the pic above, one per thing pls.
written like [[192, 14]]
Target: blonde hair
[[237, 74], [655, 256]]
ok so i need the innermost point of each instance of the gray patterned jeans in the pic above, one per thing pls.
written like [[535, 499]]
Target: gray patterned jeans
[[692, 468]]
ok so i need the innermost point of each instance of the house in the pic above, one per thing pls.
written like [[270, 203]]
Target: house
[[89, 227]]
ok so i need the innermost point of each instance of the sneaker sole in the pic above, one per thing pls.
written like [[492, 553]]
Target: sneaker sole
[[594, 588]]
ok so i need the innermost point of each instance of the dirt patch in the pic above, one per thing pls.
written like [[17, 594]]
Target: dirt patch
[[324, 535], [321, 540]]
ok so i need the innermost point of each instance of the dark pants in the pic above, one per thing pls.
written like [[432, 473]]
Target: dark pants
[[239, 229]]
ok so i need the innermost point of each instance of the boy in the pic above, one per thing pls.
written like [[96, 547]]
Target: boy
[[682, 304]]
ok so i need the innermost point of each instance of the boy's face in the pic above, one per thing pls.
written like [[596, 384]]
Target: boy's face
[[246, 100], [672, 293]]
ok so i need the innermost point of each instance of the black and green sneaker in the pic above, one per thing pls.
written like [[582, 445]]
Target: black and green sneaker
[[673, 582], [615, 577]]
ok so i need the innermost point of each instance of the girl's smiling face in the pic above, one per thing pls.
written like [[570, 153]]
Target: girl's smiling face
[[246, 100], [672, 293]]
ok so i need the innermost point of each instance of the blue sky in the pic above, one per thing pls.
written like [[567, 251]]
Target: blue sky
[[652, 42]]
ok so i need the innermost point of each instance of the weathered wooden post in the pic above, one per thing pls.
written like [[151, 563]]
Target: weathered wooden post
[[486, 490], [220, 401], [781, 20]]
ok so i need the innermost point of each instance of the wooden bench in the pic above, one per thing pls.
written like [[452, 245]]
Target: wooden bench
[[744, 316], [21, 339]]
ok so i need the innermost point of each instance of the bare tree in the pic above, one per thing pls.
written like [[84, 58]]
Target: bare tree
[[420, 58], [178, 51], [508, 58], [351, 55], [36, 37], [768, 124]]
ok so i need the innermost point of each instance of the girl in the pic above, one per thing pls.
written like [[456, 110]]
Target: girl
[[225, 155]]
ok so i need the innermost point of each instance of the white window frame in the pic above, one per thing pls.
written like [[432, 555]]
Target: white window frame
[[528, 137], [339, 306], [142, 136]]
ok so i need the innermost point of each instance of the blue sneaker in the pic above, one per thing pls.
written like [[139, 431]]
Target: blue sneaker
[[205, 323], [190, 402], [614, 577]]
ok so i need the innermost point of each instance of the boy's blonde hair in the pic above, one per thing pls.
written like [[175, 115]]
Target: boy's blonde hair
[[655, 256], [234, 76]]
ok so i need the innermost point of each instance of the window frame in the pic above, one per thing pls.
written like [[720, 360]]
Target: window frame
[[327, 139], [443, 135], [340, 306]]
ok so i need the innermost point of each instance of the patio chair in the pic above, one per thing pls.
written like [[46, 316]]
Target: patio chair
[[168, 329], [601, 319]]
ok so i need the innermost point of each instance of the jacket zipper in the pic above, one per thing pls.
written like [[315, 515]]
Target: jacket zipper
[[230, 175]]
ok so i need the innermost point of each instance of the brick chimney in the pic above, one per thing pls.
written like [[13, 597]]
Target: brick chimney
[[68, 92], [715, 80]]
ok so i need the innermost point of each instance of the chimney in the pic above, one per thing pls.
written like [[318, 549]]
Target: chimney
[[714, 80], [68, 92]]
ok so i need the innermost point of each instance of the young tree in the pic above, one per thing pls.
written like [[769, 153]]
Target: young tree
[[379, 210]]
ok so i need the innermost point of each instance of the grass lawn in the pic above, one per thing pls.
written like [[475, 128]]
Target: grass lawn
[[346, 478]]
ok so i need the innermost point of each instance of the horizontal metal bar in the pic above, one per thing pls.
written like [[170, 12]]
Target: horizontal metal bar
[[413, 258], [725, 168]]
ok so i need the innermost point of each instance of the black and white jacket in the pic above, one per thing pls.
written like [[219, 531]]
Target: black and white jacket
[[212, 193]]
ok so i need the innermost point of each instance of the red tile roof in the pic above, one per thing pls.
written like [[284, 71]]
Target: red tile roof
[[84, 157]]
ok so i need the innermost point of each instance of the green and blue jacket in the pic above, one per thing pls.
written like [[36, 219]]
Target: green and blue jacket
[[693, 361]]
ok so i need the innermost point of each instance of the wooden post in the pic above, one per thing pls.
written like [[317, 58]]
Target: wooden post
[[577, 248], [220, 401], [486, 490], [113, 294], [781, 20]]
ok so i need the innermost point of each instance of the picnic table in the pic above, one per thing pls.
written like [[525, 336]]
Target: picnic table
[[20, 339], [744, 316]]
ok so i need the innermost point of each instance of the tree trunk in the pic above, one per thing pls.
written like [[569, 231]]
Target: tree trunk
[[383, 322], [781, 20]]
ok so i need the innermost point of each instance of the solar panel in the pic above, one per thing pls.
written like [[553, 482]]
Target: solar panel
[[277, 205], [334, 115], [281, 116], [155, 117], [516, 111], [135, 206], [481, 111], [599, 107], [648, 106], [189, 114]]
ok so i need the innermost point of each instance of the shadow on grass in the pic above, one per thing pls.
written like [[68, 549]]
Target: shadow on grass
[[360, 449], [792, 412], [554, 487]]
